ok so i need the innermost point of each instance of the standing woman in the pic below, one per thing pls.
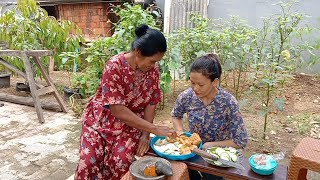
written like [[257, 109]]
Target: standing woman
[[118, 120], [213, 113]]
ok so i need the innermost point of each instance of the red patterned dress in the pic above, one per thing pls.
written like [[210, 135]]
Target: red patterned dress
[[107, 145]]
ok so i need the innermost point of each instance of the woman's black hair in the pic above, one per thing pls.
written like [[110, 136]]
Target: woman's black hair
[[149, 41], [208, 65]]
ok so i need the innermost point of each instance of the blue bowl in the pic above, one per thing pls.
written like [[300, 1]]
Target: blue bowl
[[172, 157], [263, 170]]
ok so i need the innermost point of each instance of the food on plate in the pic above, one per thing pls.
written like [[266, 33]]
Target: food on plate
[[260, 159], [263, 164], [178, 146], [227, 153], [264, 161]]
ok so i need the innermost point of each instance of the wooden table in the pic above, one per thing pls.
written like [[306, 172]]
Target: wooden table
[[197, 163], [35, 88]]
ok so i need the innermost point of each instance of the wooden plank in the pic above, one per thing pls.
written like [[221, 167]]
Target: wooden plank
[[28, 101], [13, 68], [39, 53], [51, 65], [45, 90], [32, 85], [10, 53], [28, 53], [16, 70], [50, 82]]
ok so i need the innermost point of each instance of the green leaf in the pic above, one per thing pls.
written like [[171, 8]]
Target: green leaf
[[243, 103], [64, 60], [279, 102], [263, 112], [200, 53]]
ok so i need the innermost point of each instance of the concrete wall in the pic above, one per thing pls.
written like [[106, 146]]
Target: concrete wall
[[253, 10]]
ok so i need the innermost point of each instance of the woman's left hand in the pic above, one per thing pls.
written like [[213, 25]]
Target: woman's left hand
[[208, 145], [143, 145]]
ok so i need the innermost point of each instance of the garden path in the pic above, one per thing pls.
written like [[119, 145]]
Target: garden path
[[31, 150]]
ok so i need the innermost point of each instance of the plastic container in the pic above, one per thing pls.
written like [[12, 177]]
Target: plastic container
[[4, 80], [267, 169], [172, 157]]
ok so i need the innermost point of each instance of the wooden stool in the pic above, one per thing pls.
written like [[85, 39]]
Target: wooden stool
[[305, 156], [36, 89], [180, 172]]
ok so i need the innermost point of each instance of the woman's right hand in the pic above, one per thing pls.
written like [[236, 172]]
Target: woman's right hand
[[165, 131]]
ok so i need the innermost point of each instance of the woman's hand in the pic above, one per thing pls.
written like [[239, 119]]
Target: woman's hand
[[143, 145], [165, 131], [225, 143], [207, 145]]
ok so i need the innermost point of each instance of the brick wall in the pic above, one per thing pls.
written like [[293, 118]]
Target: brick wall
[[92, 18]]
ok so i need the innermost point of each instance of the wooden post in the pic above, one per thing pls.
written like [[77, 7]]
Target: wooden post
[[32, 85], [51, 65], [49, 81], [167, 11]]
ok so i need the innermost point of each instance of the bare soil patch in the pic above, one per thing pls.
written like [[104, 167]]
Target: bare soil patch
[[300, 117]]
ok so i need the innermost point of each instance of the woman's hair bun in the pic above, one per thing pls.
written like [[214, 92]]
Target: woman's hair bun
[[141, 30]]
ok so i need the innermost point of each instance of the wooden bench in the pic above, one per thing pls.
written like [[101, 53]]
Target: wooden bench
[[36, 89], [199, 164]]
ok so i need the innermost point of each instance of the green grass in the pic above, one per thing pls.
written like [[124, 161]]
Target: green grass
[[303, 122]]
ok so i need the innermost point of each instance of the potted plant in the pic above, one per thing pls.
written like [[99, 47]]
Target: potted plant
[[22, 87], [71, 68], [4, 79]]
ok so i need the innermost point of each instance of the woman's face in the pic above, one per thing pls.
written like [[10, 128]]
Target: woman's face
[[145, 63], [202, 85]]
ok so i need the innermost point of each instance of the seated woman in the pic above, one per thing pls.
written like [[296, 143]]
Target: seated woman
[[213, 113]]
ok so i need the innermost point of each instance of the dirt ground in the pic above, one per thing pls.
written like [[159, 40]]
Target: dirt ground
[[300, 117]]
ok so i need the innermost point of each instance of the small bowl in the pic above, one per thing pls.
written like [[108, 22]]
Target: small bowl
[[137, 167], [263, 169]]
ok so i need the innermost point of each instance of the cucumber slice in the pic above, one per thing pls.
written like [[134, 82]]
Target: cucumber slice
[[212, 149], [232, 150], [225, 156], [219, 151], [217, 163], [233, 157]]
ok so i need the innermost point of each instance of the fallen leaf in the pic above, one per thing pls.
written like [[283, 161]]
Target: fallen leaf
[[314, 122], [289, 129], [253, 139], [265, 151]]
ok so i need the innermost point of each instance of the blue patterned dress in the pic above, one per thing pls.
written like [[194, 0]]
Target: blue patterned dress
[[220, 120]]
